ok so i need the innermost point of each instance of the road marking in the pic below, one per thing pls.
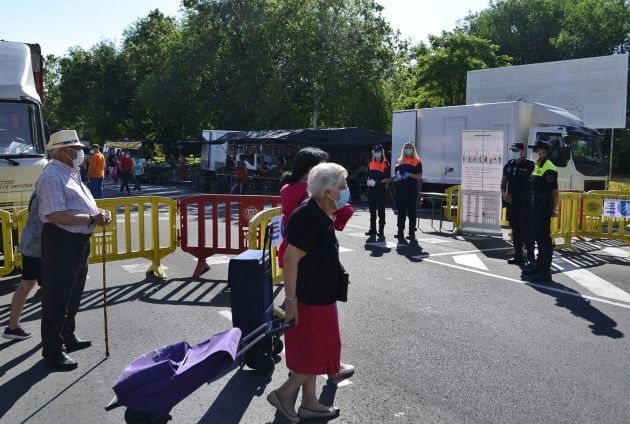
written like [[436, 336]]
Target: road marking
[[345, 249], [459, 252], [138, 268], [471, 260], [526, 283], [556, 266], [597, 285], [616, 251], [215, 259], [435, 240], [226, 314], [383, 244]]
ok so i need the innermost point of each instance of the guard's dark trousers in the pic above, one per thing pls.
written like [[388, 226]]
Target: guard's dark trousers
[[519, 218], [542, 236], [64, 270], [406, 203], [376, 202]]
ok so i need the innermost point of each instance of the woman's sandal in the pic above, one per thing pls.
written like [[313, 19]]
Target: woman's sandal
[[274, 399], [309, 413]]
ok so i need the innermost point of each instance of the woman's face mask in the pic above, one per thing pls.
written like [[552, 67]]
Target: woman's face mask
[[408, 151], [377, 155], [344, 196]]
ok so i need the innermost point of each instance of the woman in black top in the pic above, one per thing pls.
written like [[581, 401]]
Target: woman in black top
[[312, 273]]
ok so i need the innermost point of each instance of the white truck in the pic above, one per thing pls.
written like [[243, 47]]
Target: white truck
[[22, 128], [437, 134]]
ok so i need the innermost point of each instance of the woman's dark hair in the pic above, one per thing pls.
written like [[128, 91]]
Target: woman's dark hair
[[303, 161]]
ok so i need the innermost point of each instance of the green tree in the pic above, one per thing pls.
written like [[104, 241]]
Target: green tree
[[534, 31], [436, 74], [94, 94]]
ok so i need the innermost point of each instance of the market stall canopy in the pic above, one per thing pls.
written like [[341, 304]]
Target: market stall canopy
[[327, 138]]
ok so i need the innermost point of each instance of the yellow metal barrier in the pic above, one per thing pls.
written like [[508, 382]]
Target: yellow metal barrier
[[452, 210], [619, 186], [7, 243], [595, 224], [19, 222], [566, 224], [146, 241], [256, 234]]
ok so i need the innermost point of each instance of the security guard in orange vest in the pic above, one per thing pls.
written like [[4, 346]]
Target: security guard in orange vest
[[408, 173], [545, 202], [378, 177]]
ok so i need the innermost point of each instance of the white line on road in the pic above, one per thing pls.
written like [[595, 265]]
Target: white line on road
[[540, 286], [471, 260], [459, 252], [597, 285], [226, 313]]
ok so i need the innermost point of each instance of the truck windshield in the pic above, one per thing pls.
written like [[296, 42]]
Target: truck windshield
[[586, 149], [18, 129]]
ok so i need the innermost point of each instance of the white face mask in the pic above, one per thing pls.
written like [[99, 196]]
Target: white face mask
[[516, 155], [535, 156], [377, 155], [79, 159]]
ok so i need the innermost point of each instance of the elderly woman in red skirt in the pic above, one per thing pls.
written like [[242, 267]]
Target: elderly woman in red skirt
[[312, 273]]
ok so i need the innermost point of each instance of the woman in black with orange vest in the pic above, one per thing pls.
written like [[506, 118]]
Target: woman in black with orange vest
[[408, 173], [378, 177]]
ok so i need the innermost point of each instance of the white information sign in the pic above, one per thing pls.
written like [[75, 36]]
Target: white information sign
[[482, 169], [594, 88], [278, 231], [617, 208]]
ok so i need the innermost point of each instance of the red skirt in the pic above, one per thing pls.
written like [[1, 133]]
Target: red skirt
[[313, 346]]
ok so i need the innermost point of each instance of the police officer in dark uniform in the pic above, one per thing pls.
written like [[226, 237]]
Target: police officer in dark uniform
[[545, 202], [378, 177], [515, 193], [408, 173]]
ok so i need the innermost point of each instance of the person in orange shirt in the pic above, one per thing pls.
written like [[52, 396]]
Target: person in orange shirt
[[96, 172]]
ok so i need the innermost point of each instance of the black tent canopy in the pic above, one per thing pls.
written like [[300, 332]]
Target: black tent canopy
[[326, 138]]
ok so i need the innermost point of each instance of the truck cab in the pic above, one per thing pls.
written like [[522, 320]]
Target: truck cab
[[577, 153], [22, 129]]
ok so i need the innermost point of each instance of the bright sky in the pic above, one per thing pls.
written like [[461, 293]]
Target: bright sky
[[60, 24]]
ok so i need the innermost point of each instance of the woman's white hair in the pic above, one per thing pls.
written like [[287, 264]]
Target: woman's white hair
[[325, 176]]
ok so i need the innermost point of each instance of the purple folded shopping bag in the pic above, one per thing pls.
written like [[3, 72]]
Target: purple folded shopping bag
[[156, 381]]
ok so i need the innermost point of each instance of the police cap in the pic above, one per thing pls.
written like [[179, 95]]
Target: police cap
[[540, 144], [518, 146]]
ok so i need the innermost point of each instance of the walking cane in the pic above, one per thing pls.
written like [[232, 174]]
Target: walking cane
[[105, 299]]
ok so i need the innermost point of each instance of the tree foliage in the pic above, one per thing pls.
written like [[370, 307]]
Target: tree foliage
[[535, 31], [436, 75]]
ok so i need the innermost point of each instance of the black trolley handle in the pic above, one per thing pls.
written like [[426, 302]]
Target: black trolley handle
[[265, 330]]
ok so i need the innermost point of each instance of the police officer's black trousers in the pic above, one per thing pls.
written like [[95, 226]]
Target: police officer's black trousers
[[64, 271], [542, 236], [406, 203], [376, 201], [519, 217]]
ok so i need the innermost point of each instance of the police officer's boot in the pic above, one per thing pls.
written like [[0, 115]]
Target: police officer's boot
[[381, 230], [400, 235], [372, 231]]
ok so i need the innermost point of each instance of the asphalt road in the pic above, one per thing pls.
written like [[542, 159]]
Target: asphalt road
[[442, 331]]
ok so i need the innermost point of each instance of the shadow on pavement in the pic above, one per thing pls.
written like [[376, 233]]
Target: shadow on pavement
[[234, 399], [175, 291], [36, 373], [18, 386], [411, 250], [377, 246], [601, 324]]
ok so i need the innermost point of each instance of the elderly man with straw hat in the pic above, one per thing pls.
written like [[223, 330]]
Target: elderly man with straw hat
[[69, 214]]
